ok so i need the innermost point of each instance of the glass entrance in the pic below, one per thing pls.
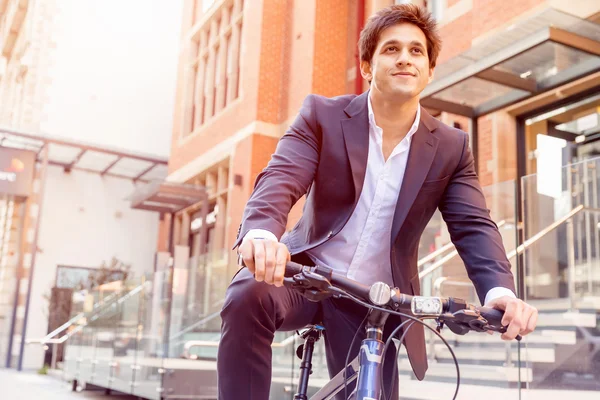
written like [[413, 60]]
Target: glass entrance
[[575, 128]]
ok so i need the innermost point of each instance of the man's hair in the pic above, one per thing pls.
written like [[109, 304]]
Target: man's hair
[[396, 14]]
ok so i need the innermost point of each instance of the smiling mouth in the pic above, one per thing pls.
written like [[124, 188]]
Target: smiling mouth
[[403, 74]]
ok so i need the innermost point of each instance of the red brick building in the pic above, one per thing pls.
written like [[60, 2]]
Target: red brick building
[[246, 66]]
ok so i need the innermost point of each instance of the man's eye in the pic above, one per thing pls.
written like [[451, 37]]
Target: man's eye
[[393, 48], [418, 50]]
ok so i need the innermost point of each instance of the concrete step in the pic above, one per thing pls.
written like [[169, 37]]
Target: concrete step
[[479, 375], [495, 354], [482, 373], [567, 319], [540, 337], [564, 304]]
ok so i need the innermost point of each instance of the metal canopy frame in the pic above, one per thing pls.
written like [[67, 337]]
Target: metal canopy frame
[[472, 65], [87, 157], [167, 197]]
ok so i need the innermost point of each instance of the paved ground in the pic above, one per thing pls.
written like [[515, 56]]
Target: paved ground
[[31, 386]]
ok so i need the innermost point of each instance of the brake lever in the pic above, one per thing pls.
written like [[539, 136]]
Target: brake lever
[[313, 286], [463, 321], [502, 330]]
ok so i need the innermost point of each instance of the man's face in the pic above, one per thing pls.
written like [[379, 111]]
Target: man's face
[[399, 68]]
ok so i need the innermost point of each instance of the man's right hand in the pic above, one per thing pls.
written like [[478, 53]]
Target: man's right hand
[[266, 259]]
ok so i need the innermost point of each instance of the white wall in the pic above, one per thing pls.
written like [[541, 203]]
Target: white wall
[[112, 73], [80, 227]]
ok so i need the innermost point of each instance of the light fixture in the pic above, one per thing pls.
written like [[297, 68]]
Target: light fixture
[[526, 74]]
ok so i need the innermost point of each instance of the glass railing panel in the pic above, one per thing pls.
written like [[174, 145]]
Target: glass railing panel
[[500, 200], [198, 290], [88, 353], [561, 279], [72, 353], [104, 325], [125, 344], [151, 336], [199, 286], [485, 360]]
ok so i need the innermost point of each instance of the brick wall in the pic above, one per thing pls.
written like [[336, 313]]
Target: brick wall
[[291, 49], [274, 60], [489, 15], [262, 149], [331, 38], [456, 37]]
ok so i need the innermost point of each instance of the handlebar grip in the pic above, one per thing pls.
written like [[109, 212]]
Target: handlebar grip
[[292, 268], [493, 316]]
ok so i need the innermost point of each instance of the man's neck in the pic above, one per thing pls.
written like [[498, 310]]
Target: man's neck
[[394, 114]]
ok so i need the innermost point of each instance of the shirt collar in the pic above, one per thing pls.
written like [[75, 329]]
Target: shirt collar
[[412, 129]]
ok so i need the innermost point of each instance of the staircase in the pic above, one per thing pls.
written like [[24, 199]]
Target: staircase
[[557, 355]]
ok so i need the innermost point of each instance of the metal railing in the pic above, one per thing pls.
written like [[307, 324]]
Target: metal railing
[[190, 344], [201, 322], [443, 260], [528, 243], [98, 309], [568, 219]]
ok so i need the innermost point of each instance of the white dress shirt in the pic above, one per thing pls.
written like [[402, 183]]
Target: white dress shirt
[[361, 250]]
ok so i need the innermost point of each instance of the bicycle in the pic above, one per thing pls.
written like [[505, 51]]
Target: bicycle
[[318, 282]]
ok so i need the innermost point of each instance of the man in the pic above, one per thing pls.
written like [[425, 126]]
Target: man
[[374, 167]]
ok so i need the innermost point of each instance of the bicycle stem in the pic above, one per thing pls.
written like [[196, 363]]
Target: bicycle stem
[[375, 324]]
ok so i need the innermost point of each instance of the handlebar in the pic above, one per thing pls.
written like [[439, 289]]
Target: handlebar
[[319, 282]]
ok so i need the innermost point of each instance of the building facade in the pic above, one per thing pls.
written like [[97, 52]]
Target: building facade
[[245, 67]]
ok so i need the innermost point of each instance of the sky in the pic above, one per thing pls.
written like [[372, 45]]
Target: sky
[[113, 73]]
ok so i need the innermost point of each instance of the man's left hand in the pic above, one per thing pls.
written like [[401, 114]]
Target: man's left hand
[[520, 317]]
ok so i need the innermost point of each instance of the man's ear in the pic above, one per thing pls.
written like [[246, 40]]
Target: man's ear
[[431, 74], [365, 70]]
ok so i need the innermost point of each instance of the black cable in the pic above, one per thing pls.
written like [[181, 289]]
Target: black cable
[[385, 348], [387, 343], [410, 317], [348, 354]]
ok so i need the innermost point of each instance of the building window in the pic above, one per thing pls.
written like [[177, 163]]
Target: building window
[[435, 7], [213, 76]]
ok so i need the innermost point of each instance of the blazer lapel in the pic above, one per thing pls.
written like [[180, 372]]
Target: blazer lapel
[[356, 139], [422, 152]]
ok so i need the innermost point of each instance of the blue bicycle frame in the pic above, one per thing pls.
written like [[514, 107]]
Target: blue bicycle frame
[[367, 367]]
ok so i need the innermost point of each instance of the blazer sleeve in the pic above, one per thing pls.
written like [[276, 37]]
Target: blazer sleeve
[[287, 176], [472, 230]]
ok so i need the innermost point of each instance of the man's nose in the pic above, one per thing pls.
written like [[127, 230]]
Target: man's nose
[[403, 58]]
